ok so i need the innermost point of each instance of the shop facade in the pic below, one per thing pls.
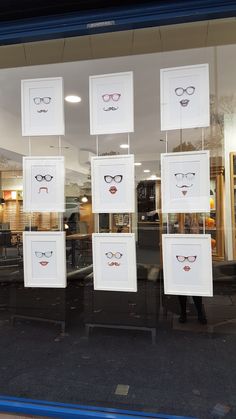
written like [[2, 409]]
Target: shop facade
[[80, 340]]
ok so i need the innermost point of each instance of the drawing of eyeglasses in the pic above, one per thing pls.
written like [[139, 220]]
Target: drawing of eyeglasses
[[116, 178], [46, 100], [47, 254], [116, 255], [111, 96], [40, 178], [190, 259], [184, 179], [179, 91]]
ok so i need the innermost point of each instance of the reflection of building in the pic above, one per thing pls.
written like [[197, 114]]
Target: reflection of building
[[89, 370]]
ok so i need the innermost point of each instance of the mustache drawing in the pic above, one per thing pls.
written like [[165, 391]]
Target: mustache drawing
[[113, 263], [42, 110], [111, 108], [43, 188], [185, 186]]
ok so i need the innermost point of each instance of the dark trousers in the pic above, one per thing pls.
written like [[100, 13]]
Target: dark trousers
[[197, 302]]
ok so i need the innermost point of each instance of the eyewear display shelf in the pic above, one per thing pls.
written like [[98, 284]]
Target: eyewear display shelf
[[233, 198], [215, 222]]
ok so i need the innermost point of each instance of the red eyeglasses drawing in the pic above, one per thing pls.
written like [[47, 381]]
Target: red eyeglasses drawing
[[190, 259], [111, 97]]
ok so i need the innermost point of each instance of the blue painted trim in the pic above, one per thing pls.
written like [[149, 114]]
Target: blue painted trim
[[71, 411], [148, 14]]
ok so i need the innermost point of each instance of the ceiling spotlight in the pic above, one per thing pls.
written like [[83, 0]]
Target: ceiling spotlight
[[147, 171], [138, 164], [84, 199], [124, 146], [73, 99]]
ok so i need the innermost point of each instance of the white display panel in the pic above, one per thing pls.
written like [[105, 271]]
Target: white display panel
[[111, 103], [113, 187], [42, 107], [185, 97], [114, 262], [187, 264], [185, 179], [44, 180], [44, 259]]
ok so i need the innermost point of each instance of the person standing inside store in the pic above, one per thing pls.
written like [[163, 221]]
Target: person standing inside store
[[191, 225]]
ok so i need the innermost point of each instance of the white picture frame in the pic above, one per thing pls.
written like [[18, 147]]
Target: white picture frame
[[185, 101], [185, 179], [43, 184], [187, 264], [114, 262], [113, 186], [42, 106], [44, 259], [111, 103]]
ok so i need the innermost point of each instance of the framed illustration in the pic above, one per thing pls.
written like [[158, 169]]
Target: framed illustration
[[185, 97], [42, 107], [44, 259], [113, 184], [111, 103], [187, 264], [185, 179], [43, 184], [114, 262]]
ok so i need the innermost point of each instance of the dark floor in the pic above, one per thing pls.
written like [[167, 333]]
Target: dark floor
[[190, 371], [184, 373]]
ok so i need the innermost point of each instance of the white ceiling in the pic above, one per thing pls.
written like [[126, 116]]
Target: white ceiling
[[144, 52]]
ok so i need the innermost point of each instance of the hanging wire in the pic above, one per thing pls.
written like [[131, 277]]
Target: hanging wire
[[97, 215], [203, 138], [204, 215], [60, 214], [30, 151], [29, 146]]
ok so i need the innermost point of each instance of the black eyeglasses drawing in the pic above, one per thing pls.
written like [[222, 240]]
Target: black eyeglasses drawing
[[179, 91], [111, 96], [116, 255], [116, 178], [190, 259], [47, 178], [42, 100], [46, 100], [47, 254], [184, 181]]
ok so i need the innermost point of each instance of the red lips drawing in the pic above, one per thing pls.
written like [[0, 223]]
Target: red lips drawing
[[186, 268], [113, 190], [43, 263]]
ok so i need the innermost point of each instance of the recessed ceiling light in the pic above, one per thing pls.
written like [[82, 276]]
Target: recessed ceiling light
[[138, 164], [147, 171], [124, 146], [154, 177], [73, 99]]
